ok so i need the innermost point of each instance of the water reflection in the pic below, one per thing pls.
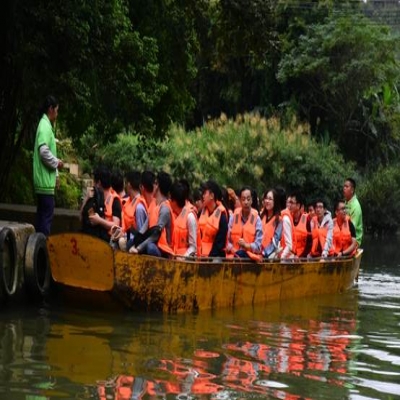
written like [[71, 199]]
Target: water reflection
[[333, 347], [229, 354]]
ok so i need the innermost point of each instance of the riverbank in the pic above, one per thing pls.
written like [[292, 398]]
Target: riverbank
[[65, 220]]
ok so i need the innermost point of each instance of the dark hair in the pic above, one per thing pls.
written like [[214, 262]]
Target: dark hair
[[254, 203], [281, 197], [185, 183], [277, 206], [214, 188], [352, 182], [117, 181], [134, 179], [49, 102], [164, 182], [178, 193], [299, 197], [245, 188], [147, 180], [324, 203], [337, 202], [197, 194], [103, 175]]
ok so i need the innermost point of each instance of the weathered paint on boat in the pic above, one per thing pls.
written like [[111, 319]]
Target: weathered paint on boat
[[148, 283]]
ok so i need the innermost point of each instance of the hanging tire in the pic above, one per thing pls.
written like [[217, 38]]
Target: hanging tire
[[8, 263], [37, 266]]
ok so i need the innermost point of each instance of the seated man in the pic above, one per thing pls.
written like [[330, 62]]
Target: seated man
[[344, 232], [322, 231], [159, 245], [110, 217], [213, 222], [186, 232], [134, 212], [302, 224], [245, 229]]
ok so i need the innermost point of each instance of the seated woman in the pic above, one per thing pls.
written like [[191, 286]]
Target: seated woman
[[213, 222], [321, 231], [344, 232], [271, 224], [245, 229]]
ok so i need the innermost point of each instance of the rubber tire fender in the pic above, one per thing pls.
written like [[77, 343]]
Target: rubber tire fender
[[37, 272], [8, 284]]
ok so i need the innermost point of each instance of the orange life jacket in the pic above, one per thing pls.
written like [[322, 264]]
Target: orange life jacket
[[283, 243], [319, 235], [108, 203], [268, 229], [342, 236], [209, 225], [180, 237], [162, 241], [246, 230], [129, 212], [302, 234]]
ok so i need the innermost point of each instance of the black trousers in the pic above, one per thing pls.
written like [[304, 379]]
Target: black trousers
[[44, 213]]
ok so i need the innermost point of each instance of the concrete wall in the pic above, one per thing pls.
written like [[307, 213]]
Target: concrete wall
[[64, 220]]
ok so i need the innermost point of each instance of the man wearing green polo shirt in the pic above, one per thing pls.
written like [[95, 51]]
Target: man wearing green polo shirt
[[353, 208], [45, 165]]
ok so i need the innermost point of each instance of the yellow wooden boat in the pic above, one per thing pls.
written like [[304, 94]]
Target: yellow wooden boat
[[148, 283]]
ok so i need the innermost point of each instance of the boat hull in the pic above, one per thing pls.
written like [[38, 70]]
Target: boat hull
[[148, 283]]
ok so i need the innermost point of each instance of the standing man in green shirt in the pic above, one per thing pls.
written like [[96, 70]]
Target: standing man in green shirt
[[353, 208], [45, 165]]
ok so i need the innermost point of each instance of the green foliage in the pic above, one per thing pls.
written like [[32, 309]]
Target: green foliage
[[251, 150], [19, 188], [69, 193], [126, 153], [335, 69], [379, 195], [88, 55]]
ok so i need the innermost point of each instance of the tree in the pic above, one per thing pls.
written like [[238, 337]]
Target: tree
[[337, 69], [85, 53]]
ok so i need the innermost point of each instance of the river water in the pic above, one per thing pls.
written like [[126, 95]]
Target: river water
[[332, 347]]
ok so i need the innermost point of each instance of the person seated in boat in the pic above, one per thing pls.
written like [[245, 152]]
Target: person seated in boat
[[198, 201], [93, 203], [288, 239], [159, 245], [310, 210], [147, 189], [134, 212], [245, 229], [302, 224], [233, 200], [271, 224], [117, 185], [353, 207], [186, 235], [344, 232], [213, 222], [112, 203], [321, 231]]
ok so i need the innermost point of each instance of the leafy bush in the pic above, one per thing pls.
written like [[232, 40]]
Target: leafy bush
[[127, 152], [70, 192], [379, 195], [259, 152]]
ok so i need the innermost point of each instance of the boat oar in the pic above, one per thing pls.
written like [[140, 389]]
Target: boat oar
[[81, 261]]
